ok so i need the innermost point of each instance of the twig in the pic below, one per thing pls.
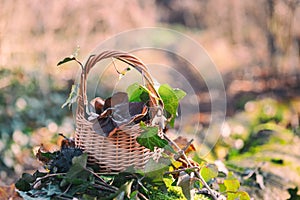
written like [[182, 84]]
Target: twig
[[104, 188], [112, 188], [81, 65], [205, 184], [220, 196], [142, 196], [47, 176], [180, 170], [181, 152], [171, 141], [65, 192]]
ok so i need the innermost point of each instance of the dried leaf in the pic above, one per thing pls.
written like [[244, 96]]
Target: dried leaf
[[43, 155], [260, 180], [117, 111], [67, 142], [182, 142], [117, 98], [98, 104], [9, 192]]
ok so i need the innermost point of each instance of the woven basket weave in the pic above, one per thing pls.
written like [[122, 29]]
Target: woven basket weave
[[121, 150]]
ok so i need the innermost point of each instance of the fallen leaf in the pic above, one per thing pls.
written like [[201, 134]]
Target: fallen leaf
[[9, 192], [182, 142]]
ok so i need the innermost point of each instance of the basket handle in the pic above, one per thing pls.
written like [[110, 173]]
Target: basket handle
[[130, 59]]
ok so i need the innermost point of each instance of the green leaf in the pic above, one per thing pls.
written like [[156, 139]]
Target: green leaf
[[179, 93], [293, 194], [53, 190], [209, 172], [65, 60], [150, 139], [127, 188], [171, 99], [186, 183], [155, 170], [134, 195], [231, 183], [240, 195], [28, 177], [81, 160], [222, 188], [78, 174], [168, 180], [278, 161], [137, 93], [72, 96], [23, 184]]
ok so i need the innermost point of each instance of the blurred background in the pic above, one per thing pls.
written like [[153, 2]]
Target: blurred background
[[254, 44]]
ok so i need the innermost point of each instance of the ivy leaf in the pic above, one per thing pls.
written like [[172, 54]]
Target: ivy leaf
[[72, 96], [171, 99], [179, 93], [149, 138], [137, 93], [23, 184], [81, 160], [293, 194], [240, 195], [231, 183], [209, 172], [155, 170], [65, 60], [134, 195], [53, 190], [78, 174], [186, 183]]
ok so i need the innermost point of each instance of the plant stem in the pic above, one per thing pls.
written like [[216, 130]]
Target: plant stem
[[180, 170], [47, 176], [181, 152], [81, 65], [102, 181], [198, 175]]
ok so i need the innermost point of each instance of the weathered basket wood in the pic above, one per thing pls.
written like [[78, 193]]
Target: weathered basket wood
[[115, 153]]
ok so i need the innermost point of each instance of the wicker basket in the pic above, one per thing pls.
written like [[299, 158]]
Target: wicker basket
[[119, 151]]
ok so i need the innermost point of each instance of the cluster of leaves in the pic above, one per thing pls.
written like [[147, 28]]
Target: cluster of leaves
[[69, 176], [159, 180], [170, 96]]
